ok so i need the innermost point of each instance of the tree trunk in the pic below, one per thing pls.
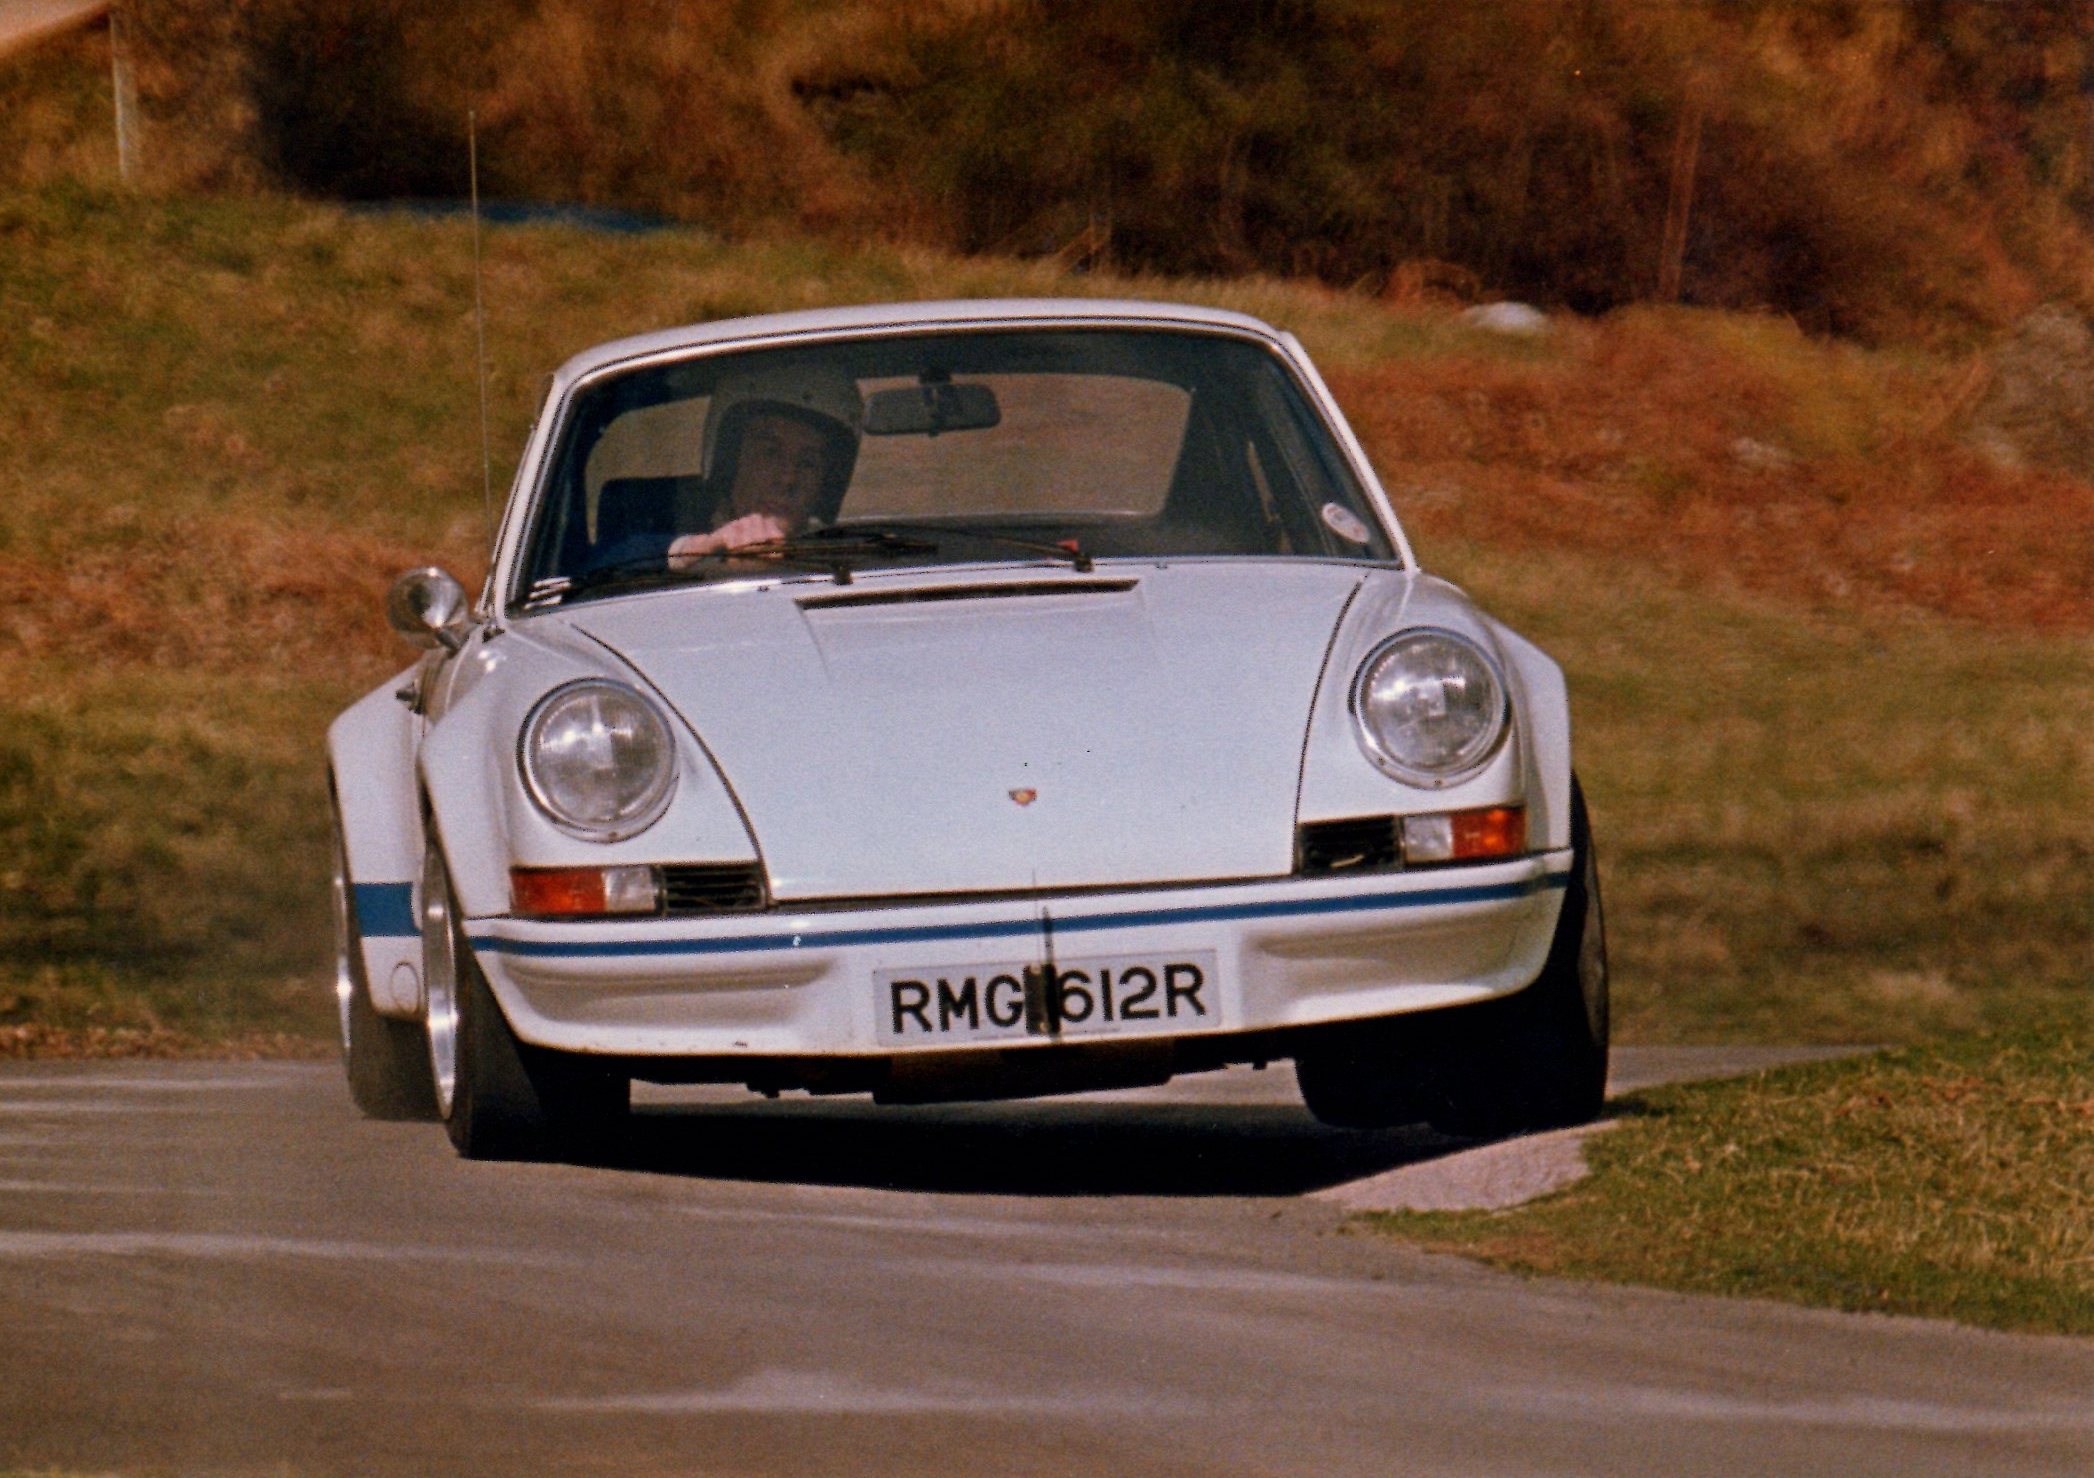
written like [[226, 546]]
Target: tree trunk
[[1679, 200]]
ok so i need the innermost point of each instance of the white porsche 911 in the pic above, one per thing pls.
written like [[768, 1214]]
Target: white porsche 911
[[959, 700]]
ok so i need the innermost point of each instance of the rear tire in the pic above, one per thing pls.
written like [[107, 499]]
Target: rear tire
[[385, 1061], [501, 1098]]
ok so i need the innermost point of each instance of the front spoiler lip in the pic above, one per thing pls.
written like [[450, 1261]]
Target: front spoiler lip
[[1337, 895]]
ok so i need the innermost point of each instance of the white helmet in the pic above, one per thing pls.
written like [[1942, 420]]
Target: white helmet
[[817, 393]]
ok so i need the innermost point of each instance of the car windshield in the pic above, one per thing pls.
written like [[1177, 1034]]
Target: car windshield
[[1081, 444]]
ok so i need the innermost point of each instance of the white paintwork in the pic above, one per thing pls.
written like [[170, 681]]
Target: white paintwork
[[875, 747], [1175, 732], [801, 980], [1541, 702], [486, 821], [371, 749]]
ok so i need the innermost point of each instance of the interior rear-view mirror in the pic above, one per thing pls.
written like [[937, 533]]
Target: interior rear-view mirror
[[931, 408]]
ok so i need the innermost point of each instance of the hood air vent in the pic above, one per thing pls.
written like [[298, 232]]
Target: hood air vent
[[997, 590]]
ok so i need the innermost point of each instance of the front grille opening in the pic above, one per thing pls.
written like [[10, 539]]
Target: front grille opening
[[1351, 845], [697, 888]]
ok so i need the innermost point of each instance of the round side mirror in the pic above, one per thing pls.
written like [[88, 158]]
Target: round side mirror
[[429, 608]]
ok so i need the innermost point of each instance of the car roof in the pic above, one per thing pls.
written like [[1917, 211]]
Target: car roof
[[879, 317]]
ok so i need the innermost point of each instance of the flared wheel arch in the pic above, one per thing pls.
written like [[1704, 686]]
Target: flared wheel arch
[[384, 1059]]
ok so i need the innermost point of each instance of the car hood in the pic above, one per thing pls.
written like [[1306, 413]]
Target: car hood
[[987, 732]]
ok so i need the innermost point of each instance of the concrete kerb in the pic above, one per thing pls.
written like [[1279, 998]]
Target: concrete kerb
[[1511, 1172], [1489, 1177]]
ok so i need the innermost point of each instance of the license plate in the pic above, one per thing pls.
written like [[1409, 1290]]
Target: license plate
[[1103, 996]]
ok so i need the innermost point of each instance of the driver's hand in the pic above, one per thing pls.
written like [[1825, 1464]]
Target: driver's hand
[[750, 528]]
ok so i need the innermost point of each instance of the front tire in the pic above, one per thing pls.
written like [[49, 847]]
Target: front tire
[[1373, 1076], [500, 1098], [1535, 1060], [385, 1061], [1538, 1060]]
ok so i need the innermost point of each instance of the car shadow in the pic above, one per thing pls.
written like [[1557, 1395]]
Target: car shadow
[[1018, 1149], [1232, 1141]]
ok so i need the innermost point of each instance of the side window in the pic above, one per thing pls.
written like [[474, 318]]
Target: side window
[[656, 441], [623, 469], [1275, 512], [1218, 504], [1318, 503]]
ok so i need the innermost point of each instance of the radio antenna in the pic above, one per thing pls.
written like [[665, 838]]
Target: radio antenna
[[472, 155]]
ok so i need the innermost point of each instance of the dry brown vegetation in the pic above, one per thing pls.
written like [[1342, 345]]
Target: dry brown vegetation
[[304, 593], [1916, 172], [1888, 170], [1735, 453]]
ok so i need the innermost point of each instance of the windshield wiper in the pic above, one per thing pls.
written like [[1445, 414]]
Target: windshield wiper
[[885, 538], [646, 570], [830, 549], [1067, 549]]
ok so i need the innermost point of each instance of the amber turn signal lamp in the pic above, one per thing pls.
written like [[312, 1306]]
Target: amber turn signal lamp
[[1465, 836], [1495, 831], [568, 892]]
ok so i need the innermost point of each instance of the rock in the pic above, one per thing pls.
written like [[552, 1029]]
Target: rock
[[1760, 456], [2038, 409], [1517, 319]]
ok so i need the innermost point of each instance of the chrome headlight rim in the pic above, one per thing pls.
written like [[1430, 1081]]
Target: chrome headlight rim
[[655, 798], [1474, 758]]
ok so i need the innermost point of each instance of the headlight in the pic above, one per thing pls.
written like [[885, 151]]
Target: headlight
[[598, 759], [1431, 707]]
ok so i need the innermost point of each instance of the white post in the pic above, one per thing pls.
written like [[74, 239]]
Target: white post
[[126, 97]]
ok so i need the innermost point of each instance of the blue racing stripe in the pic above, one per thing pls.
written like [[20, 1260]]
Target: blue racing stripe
[[1019, 928], [385, 911]]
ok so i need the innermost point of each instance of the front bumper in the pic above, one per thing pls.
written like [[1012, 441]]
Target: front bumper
[[814, 982]]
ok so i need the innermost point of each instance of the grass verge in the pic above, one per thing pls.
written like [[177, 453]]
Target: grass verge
[[1953, 1180], [165, 864], [102, 1043]]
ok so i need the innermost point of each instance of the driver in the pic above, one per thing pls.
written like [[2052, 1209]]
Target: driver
[[778, 453]]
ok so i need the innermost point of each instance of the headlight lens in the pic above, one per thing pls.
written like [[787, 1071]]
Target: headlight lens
[[1431, 707], [598, 759]]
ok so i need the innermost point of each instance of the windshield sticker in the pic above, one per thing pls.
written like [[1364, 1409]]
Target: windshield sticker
[[1345, 523]]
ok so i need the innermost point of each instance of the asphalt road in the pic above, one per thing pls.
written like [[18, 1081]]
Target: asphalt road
[[217, 1268]]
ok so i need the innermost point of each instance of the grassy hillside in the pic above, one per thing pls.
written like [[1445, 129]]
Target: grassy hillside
[[1911, 172], [1829, 673]]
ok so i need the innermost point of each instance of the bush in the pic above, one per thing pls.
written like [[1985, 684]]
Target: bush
[[1843, 163], [1891, 172]]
